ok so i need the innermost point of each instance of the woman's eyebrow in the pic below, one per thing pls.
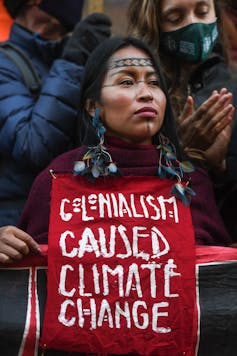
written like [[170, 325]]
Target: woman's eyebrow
[[177, 8], [122, 71]]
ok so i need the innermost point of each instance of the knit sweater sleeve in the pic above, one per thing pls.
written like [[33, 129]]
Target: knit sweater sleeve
[[36, 213]]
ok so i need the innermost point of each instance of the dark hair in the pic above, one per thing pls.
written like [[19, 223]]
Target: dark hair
[[94, 74]]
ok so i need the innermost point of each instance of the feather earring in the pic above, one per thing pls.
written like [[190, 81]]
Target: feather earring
[[169, 166], [96, 161]]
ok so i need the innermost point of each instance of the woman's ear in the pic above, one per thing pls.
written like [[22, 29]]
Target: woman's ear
[[90, 107]]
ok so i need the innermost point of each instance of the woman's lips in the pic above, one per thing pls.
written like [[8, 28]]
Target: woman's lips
[[146, 112]]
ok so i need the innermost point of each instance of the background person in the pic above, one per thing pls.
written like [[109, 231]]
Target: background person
[[36, 127], [185, 36], [188, 36], [123, 82]]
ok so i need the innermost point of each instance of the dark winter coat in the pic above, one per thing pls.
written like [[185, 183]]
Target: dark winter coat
[[33, 130], [214, 74]]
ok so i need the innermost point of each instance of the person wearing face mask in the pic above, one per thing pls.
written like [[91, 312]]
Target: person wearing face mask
[[36, 127], [188, 37]]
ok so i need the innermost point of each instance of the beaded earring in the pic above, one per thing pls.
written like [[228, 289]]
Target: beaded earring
[[170, 166], [96, 161]]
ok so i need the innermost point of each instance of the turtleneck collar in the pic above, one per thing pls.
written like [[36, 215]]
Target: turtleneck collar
[[116, 142], [133, 159]]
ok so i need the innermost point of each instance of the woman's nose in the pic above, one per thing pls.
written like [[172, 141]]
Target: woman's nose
[[144, 91], [191, 18]]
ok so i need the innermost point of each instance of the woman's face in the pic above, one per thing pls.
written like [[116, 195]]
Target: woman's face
[[132, 104], [179, 13]]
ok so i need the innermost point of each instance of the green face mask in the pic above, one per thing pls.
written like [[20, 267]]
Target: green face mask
[[192, 43]]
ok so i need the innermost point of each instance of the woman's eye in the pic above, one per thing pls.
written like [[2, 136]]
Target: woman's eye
[[126, 82], [154, 83], [202, 11], [173, 18]]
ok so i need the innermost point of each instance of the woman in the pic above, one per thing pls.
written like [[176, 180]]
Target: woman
[[188, 35], [185, 34], [122, 82]]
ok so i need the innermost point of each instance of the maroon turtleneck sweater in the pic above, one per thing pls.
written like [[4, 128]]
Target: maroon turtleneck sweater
[[132, 160]]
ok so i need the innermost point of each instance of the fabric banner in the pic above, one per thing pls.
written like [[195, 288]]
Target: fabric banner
[[216, 272], [22, 303], [216, 269], [121, 268]]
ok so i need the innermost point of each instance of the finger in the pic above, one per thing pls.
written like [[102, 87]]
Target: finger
[[227, 120], [217, 110], [231, 116], [5, 258], [30, 243], [220, 120], [223, 100], [203, 109], [226, 98], [223, 91], [15, 249], [208, 132], [187, 110]]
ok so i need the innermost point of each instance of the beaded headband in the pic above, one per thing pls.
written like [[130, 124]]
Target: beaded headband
[[130, 62]]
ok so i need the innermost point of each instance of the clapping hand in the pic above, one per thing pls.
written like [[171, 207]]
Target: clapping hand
[[205, 132]]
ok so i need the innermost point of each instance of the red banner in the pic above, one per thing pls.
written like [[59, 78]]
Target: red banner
[[121, 268]]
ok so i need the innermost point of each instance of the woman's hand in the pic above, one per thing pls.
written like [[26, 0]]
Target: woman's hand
[[15, 244], [207, 130], [215, 155]]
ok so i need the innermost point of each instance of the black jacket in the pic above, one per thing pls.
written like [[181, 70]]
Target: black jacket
[[214, 74], [210, 75]]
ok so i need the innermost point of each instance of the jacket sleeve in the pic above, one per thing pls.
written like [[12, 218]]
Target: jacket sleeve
[[35, 130]]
